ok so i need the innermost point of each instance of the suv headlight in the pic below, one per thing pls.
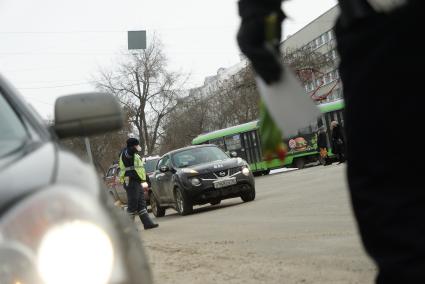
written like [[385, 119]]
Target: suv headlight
[[60, 235], [189, 171], [195, 181], [245, 171]]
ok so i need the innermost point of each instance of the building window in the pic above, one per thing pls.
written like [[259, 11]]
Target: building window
[[318, 41], [325, 38], [325, 79], [319, 81], [339, 93], [330, 35], [331, 76], [335, 74], [309, 86]]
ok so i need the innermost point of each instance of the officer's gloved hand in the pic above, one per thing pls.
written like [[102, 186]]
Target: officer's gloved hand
[[258, 40]]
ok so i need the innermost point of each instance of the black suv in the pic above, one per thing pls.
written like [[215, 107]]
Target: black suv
[[198, 175]]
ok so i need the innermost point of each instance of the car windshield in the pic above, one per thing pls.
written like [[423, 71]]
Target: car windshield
[[150, 165], [198, 156], [13, 133]]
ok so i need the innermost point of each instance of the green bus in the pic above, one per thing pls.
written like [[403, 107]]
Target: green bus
[[302, 148]]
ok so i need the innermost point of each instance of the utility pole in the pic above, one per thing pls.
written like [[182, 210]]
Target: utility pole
[[88, 148]]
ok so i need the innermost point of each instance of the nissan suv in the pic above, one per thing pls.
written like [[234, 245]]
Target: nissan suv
[[198, 175]]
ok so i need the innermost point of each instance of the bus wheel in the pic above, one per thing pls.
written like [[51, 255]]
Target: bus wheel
[[299, 163], [266, 172]]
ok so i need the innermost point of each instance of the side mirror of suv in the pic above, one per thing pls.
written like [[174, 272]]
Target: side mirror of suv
[[164, 169], [87, 114]]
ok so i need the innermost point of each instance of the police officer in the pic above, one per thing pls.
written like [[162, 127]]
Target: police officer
[[132, 175], [381, 67]]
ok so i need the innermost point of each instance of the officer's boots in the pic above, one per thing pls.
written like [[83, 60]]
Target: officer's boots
[[146, 220]]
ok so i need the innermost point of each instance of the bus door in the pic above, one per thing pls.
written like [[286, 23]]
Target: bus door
[[252, 148]]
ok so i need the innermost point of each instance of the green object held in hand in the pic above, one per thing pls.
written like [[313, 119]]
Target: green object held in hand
[[271, 136]]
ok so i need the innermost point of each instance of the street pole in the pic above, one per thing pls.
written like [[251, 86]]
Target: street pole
[[88, 148]]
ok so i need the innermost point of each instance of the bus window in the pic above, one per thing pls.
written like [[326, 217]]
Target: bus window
[[305, 130], [218, 142], [233, 142]]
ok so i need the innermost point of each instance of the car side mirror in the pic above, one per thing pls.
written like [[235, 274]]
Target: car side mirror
[[233, 154], [87, 114], [164, 169]]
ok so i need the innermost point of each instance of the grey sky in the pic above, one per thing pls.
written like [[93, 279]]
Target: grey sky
[[50, 47]]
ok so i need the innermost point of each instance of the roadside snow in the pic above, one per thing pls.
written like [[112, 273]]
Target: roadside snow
[[282, 170]]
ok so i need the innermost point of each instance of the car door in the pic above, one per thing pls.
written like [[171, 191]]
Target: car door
[[160, 180], [167, 182]]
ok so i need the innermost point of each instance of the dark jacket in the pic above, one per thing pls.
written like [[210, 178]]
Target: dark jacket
[[321, 139], [337, 140]]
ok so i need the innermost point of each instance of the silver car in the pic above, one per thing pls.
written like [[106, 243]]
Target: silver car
[[55, 218]]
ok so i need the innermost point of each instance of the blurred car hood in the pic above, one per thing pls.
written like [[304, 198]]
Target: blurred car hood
[[25, 172]]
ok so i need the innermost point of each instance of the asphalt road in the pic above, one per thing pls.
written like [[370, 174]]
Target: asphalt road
[[299, 229]]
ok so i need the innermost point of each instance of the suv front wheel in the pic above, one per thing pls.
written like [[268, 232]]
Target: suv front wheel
[[183, 205], [248, 195]]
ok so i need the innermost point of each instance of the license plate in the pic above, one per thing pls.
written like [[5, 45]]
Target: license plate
[[224, 183]]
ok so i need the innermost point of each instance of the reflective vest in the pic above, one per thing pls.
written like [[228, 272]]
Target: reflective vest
[[138, 167]]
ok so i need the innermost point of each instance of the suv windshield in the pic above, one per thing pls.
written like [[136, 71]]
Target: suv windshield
[[12, 132], [150, 165], [197, 156]]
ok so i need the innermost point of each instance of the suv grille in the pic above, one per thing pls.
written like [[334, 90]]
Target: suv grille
[[235, 170], [207, 176], [220, 174]]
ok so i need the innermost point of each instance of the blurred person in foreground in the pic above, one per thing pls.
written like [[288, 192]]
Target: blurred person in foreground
[[381, 65], [133, 177]]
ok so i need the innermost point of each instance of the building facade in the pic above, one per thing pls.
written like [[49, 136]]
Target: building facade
[[318, 36]]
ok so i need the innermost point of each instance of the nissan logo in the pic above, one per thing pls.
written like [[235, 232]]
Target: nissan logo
[[222, 174]]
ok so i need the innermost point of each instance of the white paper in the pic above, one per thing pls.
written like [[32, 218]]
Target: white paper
[[288, 104]]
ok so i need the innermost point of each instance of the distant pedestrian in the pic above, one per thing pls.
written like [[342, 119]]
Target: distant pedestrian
[[322, 145], [338, 142]]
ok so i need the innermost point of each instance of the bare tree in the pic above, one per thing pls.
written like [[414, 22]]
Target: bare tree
[[308, 66], [235, 100], [146, 89]]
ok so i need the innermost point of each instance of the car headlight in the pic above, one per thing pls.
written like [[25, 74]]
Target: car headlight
[[189, 171], [66, 242], [195, 181], [245, 171], [62, 235]]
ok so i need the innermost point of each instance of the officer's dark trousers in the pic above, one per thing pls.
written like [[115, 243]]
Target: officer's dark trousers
[[382, 68], [136, 199]]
